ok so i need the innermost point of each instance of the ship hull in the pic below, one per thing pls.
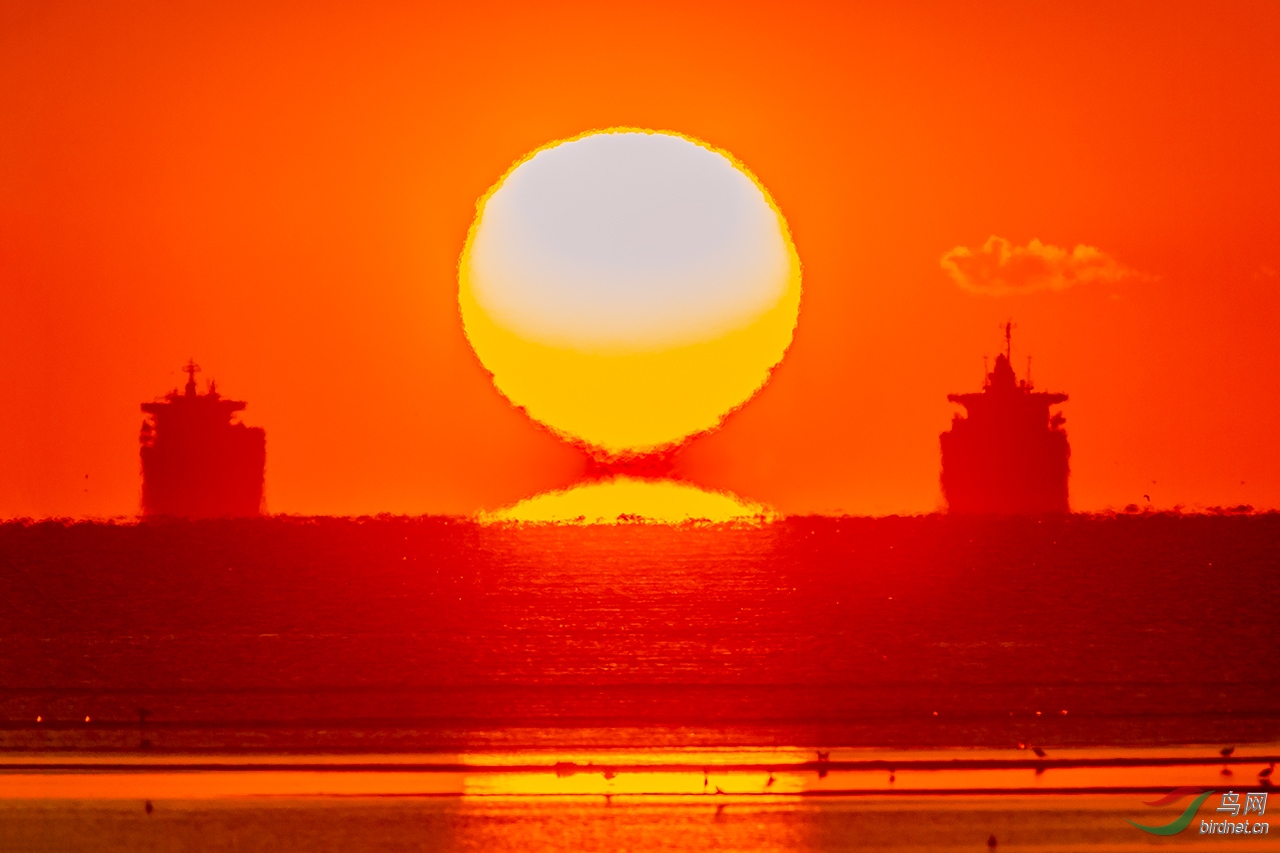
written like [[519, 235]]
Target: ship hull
[[213, 476], [991, 472]]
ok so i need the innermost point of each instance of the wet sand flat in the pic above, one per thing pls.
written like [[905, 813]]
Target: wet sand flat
[[1040, 823], [688, 799]]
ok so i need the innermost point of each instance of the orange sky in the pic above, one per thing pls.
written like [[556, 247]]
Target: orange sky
[[283, 193]]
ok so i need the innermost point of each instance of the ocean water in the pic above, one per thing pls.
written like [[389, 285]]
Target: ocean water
[[627, 672]]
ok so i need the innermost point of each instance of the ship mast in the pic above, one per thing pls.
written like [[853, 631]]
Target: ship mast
[[192, 368]]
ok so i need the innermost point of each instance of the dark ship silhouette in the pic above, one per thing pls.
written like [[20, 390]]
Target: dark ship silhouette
[[196, 463], [1008, 455]]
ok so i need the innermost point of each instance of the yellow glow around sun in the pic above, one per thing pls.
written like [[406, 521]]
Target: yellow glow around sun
[[611, 368], [631, 499]]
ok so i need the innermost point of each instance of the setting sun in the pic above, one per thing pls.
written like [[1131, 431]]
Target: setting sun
[[628, 288]]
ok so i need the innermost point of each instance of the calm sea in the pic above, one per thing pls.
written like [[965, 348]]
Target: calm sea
[[801, 650]]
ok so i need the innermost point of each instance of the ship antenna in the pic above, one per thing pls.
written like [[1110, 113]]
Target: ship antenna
[[192, 368]]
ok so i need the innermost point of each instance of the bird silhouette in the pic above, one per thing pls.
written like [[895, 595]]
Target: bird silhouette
[[150, 808], [1148, 497], [769, 784], [1038, 751], [991, 842], [1265, 773], [1226, 751]]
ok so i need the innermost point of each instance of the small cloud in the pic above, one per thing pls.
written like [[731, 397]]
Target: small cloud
[[1000, 268]]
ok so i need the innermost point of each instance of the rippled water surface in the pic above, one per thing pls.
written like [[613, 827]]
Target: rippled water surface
[[440, 638]]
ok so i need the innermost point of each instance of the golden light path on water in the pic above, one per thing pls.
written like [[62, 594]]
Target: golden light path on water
[[633, 499], [702, 773]]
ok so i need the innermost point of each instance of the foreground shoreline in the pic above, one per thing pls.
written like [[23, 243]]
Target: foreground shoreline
[[775, 772]]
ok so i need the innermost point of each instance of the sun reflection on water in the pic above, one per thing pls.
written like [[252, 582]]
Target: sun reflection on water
[[632, 499]]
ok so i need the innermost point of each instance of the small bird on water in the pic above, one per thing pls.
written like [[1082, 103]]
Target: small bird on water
[[150, 808], [991, 842], [1038, 751], [1226, 751]]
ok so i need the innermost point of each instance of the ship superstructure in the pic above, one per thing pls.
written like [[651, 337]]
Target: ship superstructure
[[1008, 454], [197, 462]]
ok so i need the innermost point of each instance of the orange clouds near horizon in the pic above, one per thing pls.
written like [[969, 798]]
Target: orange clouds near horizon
[[283, 193], [1000, 268]]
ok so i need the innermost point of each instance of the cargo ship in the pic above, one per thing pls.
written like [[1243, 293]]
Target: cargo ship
[[197, 462], [1008, 454]]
